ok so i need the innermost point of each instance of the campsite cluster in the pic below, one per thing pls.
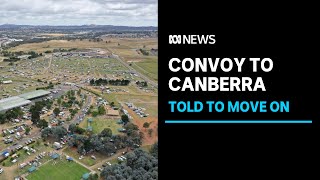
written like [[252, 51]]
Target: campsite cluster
[[63, 107]]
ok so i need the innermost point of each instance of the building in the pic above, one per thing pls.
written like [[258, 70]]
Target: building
[[7, 82], [34, 94], [21, 100], [12, 102], [112, 112]]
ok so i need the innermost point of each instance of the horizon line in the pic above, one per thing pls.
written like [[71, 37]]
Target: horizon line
[[76, 25]]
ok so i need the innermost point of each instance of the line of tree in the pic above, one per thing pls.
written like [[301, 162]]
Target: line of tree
[[64, 50], [55, 132], [142, 83], [144, 52], [11, 114], [140, 165], [33, 55], [12, 54], [105, 142], [35, 111], [73, 128], [12, 59], [50, 86], [101, 111], [117, 82]]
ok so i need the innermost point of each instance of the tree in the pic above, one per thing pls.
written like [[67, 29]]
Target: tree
[[139, 165], [125, 119], [27, 130], [57, 132], [93, 177], [45, 132], [95, 113], [56, 111], [42, 123], [106, 132], [112, 104], [72, 128], [59, 101], [154, 150], [150, 131], [35, 113], [3, 119], [146, 125], [101, 110]]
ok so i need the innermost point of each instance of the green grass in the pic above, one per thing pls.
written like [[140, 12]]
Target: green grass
[[23, 155], [146, 148], [62, 170], [99, 123], [149, 67], [86, 160], [146, 101]]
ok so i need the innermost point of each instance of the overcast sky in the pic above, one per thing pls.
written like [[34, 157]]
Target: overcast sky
[[79, 12]]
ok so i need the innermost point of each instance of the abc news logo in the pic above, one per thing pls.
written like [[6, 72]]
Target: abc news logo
[[192, 39]]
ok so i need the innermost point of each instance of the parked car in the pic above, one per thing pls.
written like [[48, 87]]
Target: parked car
[[123, 157]]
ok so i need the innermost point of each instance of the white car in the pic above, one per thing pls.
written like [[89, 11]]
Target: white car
[[108, 163], [81, 157], [123, 157], [1, 170]]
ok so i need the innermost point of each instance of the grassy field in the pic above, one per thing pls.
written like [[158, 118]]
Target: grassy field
[[52, 34], [73, 153], [23, 155], [56, 44], [149, 67], [62, 170], [99, 123], [147, 101], [127, 50]]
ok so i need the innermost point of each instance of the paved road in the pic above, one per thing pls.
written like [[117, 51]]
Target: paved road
[[80, 113]]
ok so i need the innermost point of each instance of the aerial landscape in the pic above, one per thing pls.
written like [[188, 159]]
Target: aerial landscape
[[79, 99]]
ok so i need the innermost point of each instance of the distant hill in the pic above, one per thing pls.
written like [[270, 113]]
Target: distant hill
[[80, 28]]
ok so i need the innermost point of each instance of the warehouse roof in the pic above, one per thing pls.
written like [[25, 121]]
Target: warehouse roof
[[34, 94], [12, 102]]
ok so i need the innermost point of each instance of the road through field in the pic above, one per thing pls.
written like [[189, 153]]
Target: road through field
[[153, 83]]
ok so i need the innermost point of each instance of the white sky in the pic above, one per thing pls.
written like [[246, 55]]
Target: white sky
[[79, 12]]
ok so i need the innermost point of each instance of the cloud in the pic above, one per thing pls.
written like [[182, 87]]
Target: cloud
[[79, 12]]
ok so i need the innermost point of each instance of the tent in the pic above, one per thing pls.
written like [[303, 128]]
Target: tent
[[55, 156], [33, 168], [85, 176]]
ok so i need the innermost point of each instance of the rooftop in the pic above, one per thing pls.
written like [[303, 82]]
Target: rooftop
[[34, 94], [112, 112], [12, 102]]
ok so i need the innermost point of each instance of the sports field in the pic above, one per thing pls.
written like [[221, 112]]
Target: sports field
[[61, 170], [99, 123]]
